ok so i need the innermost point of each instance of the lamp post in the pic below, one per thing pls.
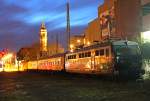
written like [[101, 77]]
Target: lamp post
[[37, 60], [79, 42]]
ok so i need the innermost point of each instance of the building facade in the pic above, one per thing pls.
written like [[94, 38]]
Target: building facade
[[106, 16], [116, 19], [121, 18], [55, 48], [92, 32], [76, 41]]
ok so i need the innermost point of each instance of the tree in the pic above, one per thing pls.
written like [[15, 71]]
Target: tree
[[23, 54]]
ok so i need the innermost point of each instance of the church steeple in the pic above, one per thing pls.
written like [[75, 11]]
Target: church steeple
[[43, 39], [43, 25]]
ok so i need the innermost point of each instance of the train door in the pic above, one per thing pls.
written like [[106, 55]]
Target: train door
[[93, 61]]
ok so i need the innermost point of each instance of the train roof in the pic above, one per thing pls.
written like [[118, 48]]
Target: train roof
[[124, 42], [106, 43], [52, 56], [94, 46]]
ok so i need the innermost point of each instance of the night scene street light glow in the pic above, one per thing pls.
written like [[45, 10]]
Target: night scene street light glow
[[9, 63]]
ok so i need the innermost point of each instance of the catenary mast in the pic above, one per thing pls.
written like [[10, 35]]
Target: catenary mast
[[68, 26]]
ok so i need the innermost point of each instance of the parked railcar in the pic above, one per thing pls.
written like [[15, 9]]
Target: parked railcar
[[32, 65], [52, 63], [96, 59], [121, 58]]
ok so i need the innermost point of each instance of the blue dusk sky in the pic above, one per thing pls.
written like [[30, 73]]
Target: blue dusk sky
[[20, 20]]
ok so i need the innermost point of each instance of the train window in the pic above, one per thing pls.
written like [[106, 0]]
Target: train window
[[58, 62], [97, 52], [74, 56], [68, 57], [107, 52], [86, 54], [49, 63], [101, 52], [55, 62], [80, 56], [89, 54]]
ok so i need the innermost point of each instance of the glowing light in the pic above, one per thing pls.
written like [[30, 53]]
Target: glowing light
[[1, 66], [71, 50], [88, 65], [67, 65], [88, 43], [71, 46], [84, 40], [1, 69], [6, 57], [78, 41], [101, 67], [10, 64], [146, 36]]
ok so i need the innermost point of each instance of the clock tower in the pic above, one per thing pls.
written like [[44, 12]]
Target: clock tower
[[43, 39]]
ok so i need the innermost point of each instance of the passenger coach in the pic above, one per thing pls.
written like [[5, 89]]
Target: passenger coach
[[52, 63], [121, 58]]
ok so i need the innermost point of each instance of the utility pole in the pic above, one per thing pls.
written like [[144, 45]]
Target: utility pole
[[56, 43], [68, 27]]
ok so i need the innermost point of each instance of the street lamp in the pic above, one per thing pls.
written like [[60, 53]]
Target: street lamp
[[78, 41], [88, 43], [71, 47]]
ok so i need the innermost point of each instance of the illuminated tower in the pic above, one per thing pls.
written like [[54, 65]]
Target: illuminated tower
[[43, 39]]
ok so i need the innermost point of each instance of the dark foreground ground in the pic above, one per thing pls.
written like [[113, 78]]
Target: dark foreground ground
[[43, 87]]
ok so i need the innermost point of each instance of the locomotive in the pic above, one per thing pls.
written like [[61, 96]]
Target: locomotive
[[116, 58]]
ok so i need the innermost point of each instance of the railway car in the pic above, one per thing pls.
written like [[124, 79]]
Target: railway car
[[52, 63], [32, 65], [121, 58]]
